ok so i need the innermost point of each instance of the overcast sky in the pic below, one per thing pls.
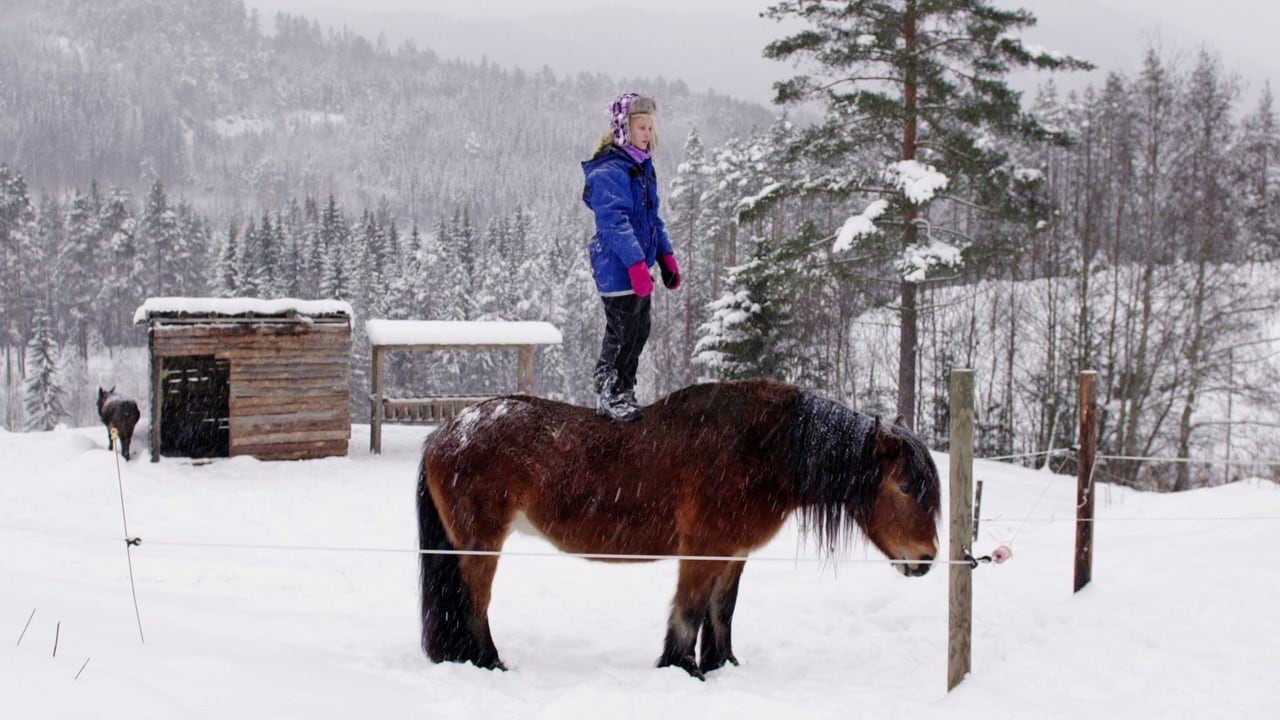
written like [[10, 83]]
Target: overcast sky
[[716, 44]]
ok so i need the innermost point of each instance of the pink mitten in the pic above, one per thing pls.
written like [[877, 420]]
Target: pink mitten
[[641, 281]]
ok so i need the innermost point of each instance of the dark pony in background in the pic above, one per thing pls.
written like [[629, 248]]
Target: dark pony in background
[[712, 470], [118, 413]]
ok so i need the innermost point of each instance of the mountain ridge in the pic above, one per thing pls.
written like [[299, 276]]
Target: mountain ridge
[[197, 95]]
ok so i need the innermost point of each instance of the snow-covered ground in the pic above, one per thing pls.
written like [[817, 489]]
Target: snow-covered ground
[[1181, 620]]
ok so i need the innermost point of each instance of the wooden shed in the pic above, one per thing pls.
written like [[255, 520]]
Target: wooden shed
[[242, 376]]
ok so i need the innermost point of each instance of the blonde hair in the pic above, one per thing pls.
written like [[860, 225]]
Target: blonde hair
[[603, 141]]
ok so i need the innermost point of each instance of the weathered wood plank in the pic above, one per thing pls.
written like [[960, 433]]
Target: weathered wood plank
[[278, 346], [275, 405], [289, 437], [286, 392], [294, 451], [238, 383], [286, 372], [288, 348], [278, 423]]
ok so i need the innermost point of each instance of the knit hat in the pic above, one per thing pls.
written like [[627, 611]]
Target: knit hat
[[621, 111]]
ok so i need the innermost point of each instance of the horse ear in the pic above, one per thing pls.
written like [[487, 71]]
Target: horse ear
[[900, 421], [888, 444]]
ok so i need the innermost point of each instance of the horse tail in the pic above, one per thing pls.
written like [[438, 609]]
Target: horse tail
[[446, 602], [129, 414]]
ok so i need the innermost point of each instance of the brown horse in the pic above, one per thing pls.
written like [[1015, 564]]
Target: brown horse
[[711, 470]]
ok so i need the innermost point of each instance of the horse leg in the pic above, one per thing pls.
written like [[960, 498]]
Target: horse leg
[[455, 617], [717, 641], [697, 579], [477, 575]]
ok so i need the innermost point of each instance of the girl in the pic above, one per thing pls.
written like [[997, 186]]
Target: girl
[[622, 191]]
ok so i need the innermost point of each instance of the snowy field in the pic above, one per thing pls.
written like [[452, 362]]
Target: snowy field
[[1181, 620]]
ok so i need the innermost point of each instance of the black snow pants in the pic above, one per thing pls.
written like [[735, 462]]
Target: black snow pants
[[626, 331]]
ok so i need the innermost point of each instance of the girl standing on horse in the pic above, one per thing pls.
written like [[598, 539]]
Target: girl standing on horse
[[622, 191]]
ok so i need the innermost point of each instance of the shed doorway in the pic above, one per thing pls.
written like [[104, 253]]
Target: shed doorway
[[196, 407]]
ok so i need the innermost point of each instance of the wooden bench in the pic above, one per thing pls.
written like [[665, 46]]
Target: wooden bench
[[429, 336]]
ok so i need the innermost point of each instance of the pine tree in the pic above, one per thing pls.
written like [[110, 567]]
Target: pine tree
[[520, 295], [312, 252], [334, 240], [40, 255], [757, 327], [272, 254], [740, 340], [413, 294], [370, 267], [1259, 171], [920, 86], [228, 268], [120, 291], [255, 269], [17, 234], [197, 255], [679, 316], [450, 267], [43, 396], [157, 233], [77, 267], [294, 251]]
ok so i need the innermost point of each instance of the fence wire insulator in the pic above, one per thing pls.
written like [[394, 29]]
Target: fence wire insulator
[[997, 556]]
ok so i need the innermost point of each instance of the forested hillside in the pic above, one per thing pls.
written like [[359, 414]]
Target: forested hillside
[[235, 119], [177, 148]]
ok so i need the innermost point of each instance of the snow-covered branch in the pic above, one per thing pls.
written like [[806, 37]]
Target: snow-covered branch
[[917, 181]]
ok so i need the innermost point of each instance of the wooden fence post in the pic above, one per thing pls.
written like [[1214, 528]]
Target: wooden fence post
[[375, 402], [960, 580], [157, 393], [524, 369], [1084, 477]]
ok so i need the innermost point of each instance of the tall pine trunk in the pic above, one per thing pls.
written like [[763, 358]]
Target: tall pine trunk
[[908, 335]]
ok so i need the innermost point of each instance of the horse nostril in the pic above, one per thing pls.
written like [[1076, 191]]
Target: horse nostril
[[922, 566]]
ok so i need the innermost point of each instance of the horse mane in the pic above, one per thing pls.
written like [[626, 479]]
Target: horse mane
[[830, 459]]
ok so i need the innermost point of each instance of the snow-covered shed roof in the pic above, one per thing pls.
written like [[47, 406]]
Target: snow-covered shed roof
[[478, 332], [197, 307]]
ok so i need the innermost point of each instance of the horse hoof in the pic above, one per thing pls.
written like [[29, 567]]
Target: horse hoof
[[494, 664], [688, 664], [709, 665]]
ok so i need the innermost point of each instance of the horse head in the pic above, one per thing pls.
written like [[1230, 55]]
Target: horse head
[[903, 521], [102, 397]]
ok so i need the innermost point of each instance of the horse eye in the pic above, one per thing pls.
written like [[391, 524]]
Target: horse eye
[[905, 488]]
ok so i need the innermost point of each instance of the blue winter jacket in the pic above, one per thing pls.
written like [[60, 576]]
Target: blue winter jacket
[[623, 195]]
